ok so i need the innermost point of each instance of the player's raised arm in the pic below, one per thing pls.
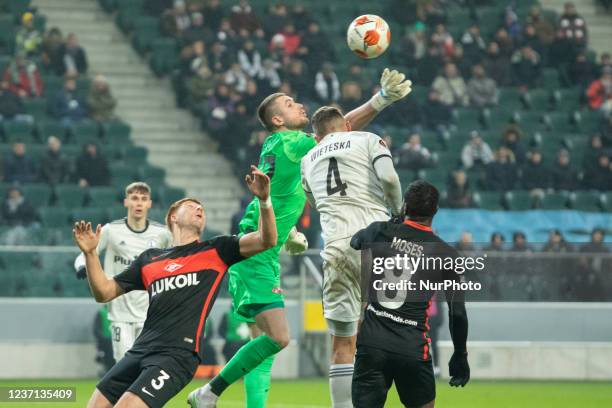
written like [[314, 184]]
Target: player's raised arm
[[103, 289], [393, 87], [266, 236]]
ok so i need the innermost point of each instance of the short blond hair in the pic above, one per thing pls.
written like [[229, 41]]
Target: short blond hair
[[175, 206], [138, 187]]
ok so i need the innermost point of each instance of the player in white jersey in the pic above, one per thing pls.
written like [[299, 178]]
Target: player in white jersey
[[122, 241], [350, 179]]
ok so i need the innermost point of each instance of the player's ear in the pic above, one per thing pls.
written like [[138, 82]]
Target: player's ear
[[348, 125], [317, 138], [277, 121], [125, 202]]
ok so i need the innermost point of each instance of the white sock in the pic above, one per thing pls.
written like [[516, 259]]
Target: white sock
[[340, 379]]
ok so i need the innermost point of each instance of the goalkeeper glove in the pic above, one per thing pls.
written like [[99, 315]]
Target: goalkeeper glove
[[296, 242], [393, 87], [81, 273], [459, 369]]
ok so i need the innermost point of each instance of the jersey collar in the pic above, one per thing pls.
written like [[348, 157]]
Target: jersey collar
[[418, 226], [133, 230]]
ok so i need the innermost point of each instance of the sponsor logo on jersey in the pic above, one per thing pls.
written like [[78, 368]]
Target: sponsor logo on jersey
[[122, 243], [173, 267], [152, 243], [147, 392], [122, 260], [174, 282], [277, 290]]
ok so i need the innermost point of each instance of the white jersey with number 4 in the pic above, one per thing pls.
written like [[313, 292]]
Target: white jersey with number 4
[[121, 245], [339, 174]]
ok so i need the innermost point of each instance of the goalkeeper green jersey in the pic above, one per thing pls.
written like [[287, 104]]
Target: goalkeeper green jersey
[[280, 159]]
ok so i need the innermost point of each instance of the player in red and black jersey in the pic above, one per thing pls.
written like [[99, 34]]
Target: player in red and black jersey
[[393, 341], [182, 282]]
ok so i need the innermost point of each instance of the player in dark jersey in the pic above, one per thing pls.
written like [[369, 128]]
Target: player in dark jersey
[[182, 282], [393, 341]]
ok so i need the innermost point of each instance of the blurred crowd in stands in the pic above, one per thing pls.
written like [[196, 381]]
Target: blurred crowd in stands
[[36, 62], [232, 57]]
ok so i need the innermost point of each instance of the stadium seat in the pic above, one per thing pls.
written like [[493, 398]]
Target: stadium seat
[[169, 195], [550, 79], [135, 155], [52, 85], [164, 55], [94, 215], [68, 196], [567, 100], [585, 201], [538, 100], [129, 10], [467, 118], [37, 194], [554, 201], [518, 200], [586, 121], [497, 119], [101, 197], [529, 121], [116, 131], [22, 131], [108, 5], [86, 130], [7, 34], [488, 200], [437, 177], [123, 174], [146, 29], [51, 127], [510, 99], [36, 107], [55, 217], [152, 175], [556, 121]]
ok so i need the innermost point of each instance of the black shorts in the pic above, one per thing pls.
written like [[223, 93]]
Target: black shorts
[[376, 370], [155, 376]]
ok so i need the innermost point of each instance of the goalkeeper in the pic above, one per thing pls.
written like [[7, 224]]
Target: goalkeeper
[[255, 283]]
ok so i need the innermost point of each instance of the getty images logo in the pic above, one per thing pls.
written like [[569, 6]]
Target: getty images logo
[[174, 282]]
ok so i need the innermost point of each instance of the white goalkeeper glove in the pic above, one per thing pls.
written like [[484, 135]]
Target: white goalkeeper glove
[[393, 87], [296, 242]]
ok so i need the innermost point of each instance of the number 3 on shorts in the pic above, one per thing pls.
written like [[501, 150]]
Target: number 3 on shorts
[[159, 382]]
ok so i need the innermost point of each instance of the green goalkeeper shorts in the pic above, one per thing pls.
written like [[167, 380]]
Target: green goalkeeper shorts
[[255, 285]]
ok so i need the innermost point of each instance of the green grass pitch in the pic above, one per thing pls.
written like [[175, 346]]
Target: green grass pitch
[[315, 394]]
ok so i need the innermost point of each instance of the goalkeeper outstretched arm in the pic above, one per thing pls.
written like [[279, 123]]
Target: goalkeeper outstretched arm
[[393, 87]]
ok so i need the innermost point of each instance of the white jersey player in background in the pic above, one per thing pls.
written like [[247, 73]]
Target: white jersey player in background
[[350, 179], [122, 241]]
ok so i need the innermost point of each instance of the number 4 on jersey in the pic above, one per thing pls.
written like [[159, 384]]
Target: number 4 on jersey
[[332, 171]]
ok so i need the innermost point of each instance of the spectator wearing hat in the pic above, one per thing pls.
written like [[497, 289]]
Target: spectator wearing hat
[[476, 152], [543, 28], [413, 45], [582, 71], [557, 243], [512, 140], [28, 39], [175, 20], [100, 101], [52, 48], [19, 167]]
